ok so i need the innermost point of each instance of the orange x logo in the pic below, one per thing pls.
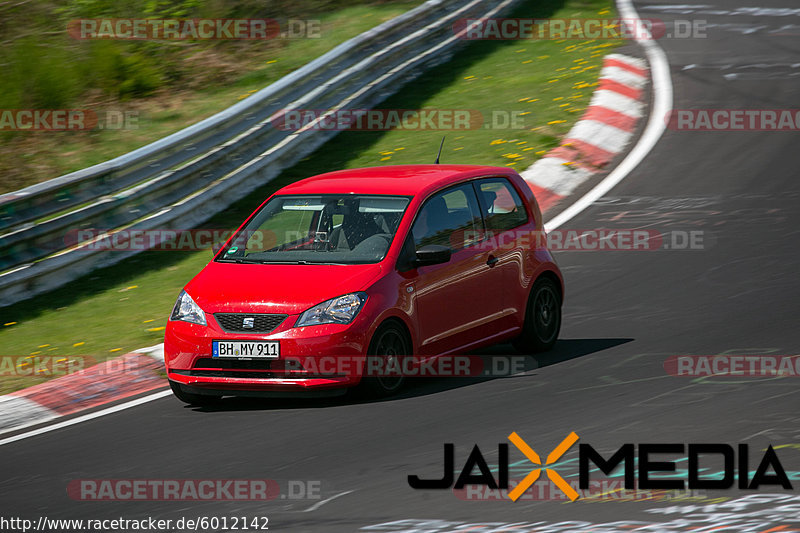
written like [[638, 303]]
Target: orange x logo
[[554, 456]]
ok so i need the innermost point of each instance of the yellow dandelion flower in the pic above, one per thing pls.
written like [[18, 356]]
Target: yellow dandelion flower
[[78, 344]]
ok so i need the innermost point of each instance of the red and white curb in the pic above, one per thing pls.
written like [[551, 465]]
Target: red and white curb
[[122, 377], [604, 131]]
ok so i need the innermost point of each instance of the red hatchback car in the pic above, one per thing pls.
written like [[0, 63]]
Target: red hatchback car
[[365, 265]]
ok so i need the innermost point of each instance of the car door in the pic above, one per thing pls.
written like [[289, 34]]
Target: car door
[[457, 303], [506, 219]]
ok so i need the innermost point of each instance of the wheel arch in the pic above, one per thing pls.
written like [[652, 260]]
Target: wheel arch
[[393, 319], [555, 278]]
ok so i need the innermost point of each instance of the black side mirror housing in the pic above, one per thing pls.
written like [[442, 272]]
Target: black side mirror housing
[[432, 254]]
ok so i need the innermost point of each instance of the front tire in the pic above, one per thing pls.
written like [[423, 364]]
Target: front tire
[[542, 318], [388, 347], [199, 400]]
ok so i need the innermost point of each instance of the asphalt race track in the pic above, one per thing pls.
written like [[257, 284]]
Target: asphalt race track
[[626, 312]]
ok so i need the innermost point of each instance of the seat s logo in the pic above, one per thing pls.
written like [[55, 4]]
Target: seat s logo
[[652, 473], [248, 322], [485, 477]]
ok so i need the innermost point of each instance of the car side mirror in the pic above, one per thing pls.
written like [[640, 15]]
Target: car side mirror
[[433, 254]]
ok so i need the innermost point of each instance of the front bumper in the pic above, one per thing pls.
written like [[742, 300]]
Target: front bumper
[[310, 358]]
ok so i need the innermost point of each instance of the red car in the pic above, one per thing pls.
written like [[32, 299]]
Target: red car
[[349, 268]]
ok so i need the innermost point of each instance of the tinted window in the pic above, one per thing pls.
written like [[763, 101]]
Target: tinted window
[[502, 206], [450, 218]]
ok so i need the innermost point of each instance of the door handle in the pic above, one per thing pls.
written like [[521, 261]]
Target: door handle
[[492, 261]]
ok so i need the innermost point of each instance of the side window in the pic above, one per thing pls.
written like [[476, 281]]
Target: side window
[[502, 207], [449, 218]]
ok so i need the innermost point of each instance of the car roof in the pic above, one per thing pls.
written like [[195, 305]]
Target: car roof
[[406, 180]]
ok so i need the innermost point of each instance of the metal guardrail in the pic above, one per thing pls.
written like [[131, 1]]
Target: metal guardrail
[[185, 178]]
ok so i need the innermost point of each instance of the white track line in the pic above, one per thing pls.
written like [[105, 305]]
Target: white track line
[[90, 416], [662, 89], [323, 502]]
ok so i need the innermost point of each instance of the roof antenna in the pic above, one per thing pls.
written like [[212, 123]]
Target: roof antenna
[[440, 151]]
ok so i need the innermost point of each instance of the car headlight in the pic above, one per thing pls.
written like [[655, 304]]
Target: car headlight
[[341, 310], [187, 310]]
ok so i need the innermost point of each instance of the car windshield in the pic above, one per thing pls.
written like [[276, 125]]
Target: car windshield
[[318, 229]]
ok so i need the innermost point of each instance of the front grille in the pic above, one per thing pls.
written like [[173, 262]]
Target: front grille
[[235, 322]]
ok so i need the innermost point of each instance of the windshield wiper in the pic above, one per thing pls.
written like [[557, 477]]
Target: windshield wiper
[[239, 260], [273, 262]]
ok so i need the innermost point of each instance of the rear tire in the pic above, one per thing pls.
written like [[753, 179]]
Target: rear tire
[[191, 398], [542, 318], [389, 344]]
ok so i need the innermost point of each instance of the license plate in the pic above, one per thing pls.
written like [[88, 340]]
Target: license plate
[[255, 349]]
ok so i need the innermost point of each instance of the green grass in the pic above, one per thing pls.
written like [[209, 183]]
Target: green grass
[[31, 157], [120, 308]]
